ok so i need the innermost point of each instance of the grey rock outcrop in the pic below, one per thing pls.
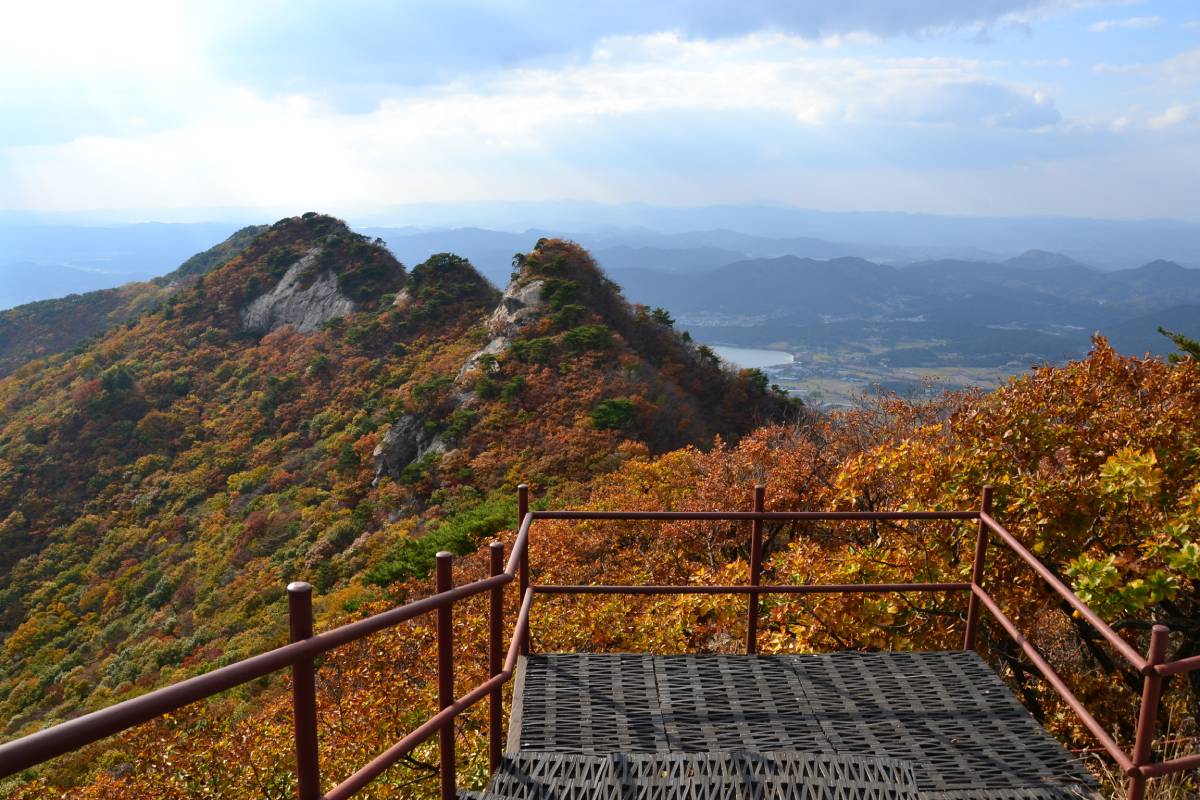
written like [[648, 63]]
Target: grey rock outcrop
[[519, 304], [493, 348], [406, 441], [306, 308]]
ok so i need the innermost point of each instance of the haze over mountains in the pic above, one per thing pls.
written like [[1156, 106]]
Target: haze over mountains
[[489, 233], [43, 261], [868, 297], [1035, 307]]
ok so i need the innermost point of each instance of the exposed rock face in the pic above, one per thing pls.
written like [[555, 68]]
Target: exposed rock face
[[406, 441], [494, 348], [519, 304], [290, 303]]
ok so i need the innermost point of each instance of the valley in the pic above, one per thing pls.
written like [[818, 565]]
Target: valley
[[844, 378]]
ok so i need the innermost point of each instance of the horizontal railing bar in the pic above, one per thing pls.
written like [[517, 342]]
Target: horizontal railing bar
[[732, 516], [804, 588], [1181, 764], [1175, 667], [37, 747], [1136, 659], [1089, 722], [446, 716]]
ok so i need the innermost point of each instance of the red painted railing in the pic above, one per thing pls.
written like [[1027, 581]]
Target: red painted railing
[[299, 655]]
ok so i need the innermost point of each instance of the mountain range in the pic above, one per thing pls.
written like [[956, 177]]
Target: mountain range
[[1038, 306], [847, 310]]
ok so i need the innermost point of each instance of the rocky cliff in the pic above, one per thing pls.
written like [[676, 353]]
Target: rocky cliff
[[299, 300]]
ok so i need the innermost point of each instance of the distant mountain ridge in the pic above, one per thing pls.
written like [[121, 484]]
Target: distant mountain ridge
[[48, 327], [27, 281], [1104, 243], [103, 256], [1037, 306]]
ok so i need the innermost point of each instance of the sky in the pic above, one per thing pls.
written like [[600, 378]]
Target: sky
[[977, 107]]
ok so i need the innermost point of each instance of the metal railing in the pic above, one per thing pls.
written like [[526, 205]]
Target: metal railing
[[299, 655]]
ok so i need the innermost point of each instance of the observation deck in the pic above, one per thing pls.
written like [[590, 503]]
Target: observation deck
[[586, 726], [847, 725]]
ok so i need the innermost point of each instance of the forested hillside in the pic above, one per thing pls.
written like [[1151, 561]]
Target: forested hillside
[[310, 409]]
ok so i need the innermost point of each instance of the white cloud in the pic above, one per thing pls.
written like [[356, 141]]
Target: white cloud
[[490, 132], [1105, 25], [661, 117], [1120, 69], [1175, 115]]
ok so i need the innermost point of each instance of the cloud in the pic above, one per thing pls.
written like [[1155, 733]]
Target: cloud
[[1120, 69], [1105, 25], [351, 49], [659, 104], [371, 103], [1175, 115], [71, 69]]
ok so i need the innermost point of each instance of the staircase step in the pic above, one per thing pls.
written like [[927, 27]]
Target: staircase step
[[699, 776]]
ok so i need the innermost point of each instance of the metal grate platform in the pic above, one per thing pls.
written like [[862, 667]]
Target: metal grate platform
[[947, 714], [699, 776]]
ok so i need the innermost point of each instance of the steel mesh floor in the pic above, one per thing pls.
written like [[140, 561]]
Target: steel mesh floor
[[947, 714], [699, 776]]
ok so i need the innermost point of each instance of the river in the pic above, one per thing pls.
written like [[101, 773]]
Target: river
[[747, 358]]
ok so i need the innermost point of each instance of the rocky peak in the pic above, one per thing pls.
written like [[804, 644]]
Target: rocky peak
[[519, 305]]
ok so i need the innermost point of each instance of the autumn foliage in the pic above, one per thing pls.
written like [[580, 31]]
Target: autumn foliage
[[161, 487]]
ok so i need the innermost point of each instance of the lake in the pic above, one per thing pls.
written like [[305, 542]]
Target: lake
[[747, 358]]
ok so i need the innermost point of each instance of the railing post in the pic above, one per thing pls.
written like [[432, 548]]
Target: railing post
[[756, 531], [495, 624], [1148, 711], [445, 665], [981, 543], [523, 562], [304, 695]]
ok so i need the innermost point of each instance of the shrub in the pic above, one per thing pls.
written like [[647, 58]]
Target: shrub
[[533, 351], [513, 388], [459, 534], [611, 414], [569, 315], [558, 292], [588, 337]]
